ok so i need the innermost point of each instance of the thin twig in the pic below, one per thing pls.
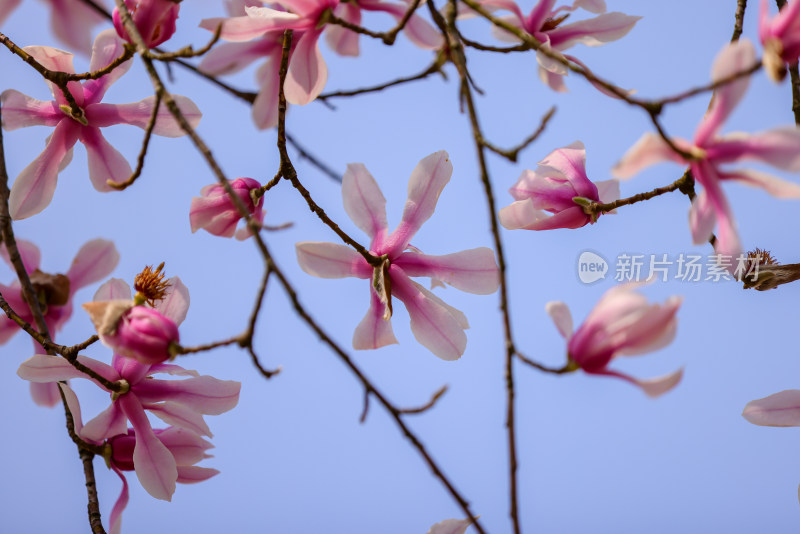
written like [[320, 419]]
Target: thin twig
[[388, 38], [148, 133], [512, 153], [434, 67], [568, 367], [428, 405], [595, 208], [305, 154], [741, 5]]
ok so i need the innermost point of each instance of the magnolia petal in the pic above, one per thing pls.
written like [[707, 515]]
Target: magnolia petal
[[46, 368], [115, 519], [45, 395], [187, 447], [228, 58], [106, 48], [180, 416], [431, 323], [74, 406], [505, 36], [363, 201], [190, 474], [648, 150], [155, 465], [593, 6], [374, 331], [174, 370], [265, 111], [561, 316], [107, 424], [655, 387], [473, 271], [552, 80], [596, 31], [138, 114], [105, 162], [247, 28], [771, 184], [204, 394], [702, 218], [523, 215], [94, 261], [331, 260], [29, 253], [727, 243], [779, 147], [652, 330], [450, 526], [341, 40], [307, 70], [175, 305], [779, 409], [113, 289], [735, 57], [33, 189], [571, 162], [72, 23], [542, 10], [6, 7], [608, 191], [21, 111], [427, 181]]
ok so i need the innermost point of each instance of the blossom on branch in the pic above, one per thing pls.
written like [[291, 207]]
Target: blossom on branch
[[436, 325], [710, 151], [33, 189], [216, 213], [622, 323], [94, 261], [544, 24], [155, 20], [780, 36], [553, 187]]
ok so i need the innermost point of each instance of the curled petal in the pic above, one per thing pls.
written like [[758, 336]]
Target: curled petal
[[780, 409], [93, 262], [652, 387], [331, 260], [648, 150], [364, 202], [21, 111], [307, 70], [374, 331], [559, 312], [74, 406], [105, 162], [473, 271], [115, 519]]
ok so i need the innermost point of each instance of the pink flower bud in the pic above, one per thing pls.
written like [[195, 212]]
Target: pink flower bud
[[215, 212], [155, 20]]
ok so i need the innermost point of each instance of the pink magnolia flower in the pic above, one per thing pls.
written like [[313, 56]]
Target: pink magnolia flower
[[93, 262], [780, 36], [33, 189], [622, 323], [450, 526], [553, 187], [544, 23], [436, 325], [71, 21], [307, 72], [215, 213], [155, 20], [181, 403], [779, 148]]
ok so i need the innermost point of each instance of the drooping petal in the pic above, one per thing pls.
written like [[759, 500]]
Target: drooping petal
[[113, 289], [190, 474], [74, 407], [374, 331], [648, 150], [106, 48], [105, 162], [771, 184], [552, 80], [727, 243], [180, 416], [21, 111], [364, 202], [523, 215], [175, 305], [94, 261], [735, 57], [33, 189], [596, 31], [655, 387], [702, 218], [29, 253], [341, 40], [205, 394], [307, 70], [247, 28], [779, 409], [115, 519], [265, 111], [779, 147], [473, 271], [561, 316], [107, 424], [138, 114], [431, 323], [155, 465], [427, 181], [331, 260], [45, 395]]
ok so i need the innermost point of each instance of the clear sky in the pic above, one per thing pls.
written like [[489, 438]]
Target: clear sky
[[595, 454]]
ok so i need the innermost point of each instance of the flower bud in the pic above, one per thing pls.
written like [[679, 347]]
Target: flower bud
[[155, 20], [215, 212]]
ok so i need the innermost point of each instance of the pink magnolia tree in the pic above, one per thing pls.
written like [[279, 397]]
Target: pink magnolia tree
[[152, 420]]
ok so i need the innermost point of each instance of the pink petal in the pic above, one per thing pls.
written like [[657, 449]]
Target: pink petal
[[45, 368], [74, 406], [432, 324], [30, 254], [364, 202], [113, 289], [45, 395], [549, 64], [331, 260], [155, 465], [265, 107], [424, 187], [648, 150], [655, 387], [21, 111], [107, 424], [503, 35], [374, 331], [771, 184], [248, 27], [561, 316], [538, 15], [187, 447], [779, 148], [571, 162], [190, 474], [735, 57], [727, 243], [341, 40], [779, 409], [523, 215], [93, 262], [608, 191], [175, 305], [6, 7], [33, 189], [180, 416], [107, 47], [593, 6], [138, 114], [473, 271], [596, 31], [105, 162], [552, 80], [205, 394], [307, 70], [702, 218], [170, 369], [72, 23], [115, 519], [228, 58], [450, 526]]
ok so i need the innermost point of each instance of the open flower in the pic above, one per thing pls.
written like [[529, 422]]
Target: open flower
[[94, 261], [215, 213], [155, 20], [779, 148], [544, 23], [780, 36], [622, 323], [553, 187], [33, 189], [436, 325]]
